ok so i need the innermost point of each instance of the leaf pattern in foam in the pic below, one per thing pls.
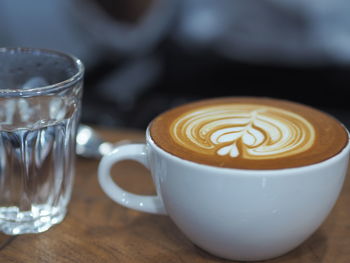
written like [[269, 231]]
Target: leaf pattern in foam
[[250, 131], [248, 134]]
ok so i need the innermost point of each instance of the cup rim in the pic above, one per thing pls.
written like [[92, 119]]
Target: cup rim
[[53, 88], [259, 172]]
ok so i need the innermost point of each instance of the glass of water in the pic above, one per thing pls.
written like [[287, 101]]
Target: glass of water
[[40, 102]]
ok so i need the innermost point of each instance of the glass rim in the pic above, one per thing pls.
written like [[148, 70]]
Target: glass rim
[[77, 63]]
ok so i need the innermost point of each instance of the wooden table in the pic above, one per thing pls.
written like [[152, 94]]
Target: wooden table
[[98, 230]]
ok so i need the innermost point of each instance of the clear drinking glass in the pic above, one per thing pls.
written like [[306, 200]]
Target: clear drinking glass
[[40, 102]]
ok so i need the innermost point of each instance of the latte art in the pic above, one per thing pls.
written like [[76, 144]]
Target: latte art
[[248, 131]]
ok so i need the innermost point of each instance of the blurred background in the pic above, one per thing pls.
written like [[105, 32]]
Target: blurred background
[[145, 56]]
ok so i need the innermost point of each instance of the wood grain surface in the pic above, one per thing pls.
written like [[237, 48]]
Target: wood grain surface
[[98, 230]]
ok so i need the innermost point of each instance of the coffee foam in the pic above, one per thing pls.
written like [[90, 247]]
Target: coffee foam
[[249, 133], [246, 130]]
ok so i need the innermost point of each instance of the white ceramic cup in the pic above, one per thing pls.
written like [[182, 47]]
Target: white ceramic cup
[[236, 214]]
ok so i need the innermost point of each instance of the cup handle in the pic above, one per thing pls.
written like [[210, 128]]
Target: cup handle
[[136, 152]]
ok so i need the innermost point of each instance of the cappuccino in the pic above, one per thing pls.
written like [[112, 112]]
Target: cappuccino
[[249, 133]]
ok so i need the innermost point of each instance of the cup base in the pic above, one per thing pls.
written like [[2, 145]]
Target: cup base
[[25, 223]]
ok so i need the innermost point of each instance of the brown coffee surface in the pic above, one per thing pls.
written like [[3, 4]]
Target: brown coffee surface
[[249, 133]]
